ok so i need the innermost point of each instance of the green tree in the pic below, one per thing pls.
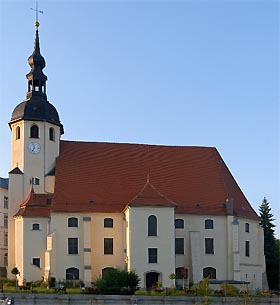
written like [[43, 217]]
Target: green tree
[[269, 244], [15, 272]]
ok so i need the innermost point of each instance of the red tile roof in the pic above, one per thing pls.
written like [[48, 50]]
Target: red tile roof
[[36, 205], [105, 177]]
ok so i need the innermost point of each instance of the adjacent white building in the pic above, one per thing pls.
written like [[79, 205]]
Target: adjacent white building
[[79, 208], [4, 205]]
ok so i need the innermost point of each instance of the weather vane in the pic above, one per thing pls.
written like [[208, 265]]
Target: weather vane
[[37, 11]]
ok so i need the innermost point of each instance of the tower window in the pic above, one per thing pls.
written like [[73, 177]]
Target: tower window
[[51, 134], [247, 227], [18, 133], [34, 131], [152, 225]]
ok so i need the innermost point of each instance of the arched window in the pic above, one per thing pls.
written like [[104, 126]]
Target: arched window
[[179, 223], [51, 134], [35, 226], [34, 131], [108, 223], [17, 133], [181, 272], [209, 272], [72, 274], [72, 222], [106, 270], [152, 225], [209, 224]]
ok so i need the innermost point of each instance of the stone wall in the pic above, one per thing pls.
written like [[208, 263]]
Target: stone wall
[[80, 299]]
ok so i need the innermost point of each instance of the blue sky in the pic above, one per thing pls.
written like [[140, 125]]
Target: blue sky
[[184, 72]]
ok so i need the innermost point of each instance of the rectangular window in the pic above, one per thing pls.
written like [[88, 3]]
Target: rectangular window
[[6, 259], [6, 239], [36, 262], [5, 202], [247, 248], [209, 245], [72, 245], [179, 246], [152, 253], [5, 221], [108, 245], [247, 227]]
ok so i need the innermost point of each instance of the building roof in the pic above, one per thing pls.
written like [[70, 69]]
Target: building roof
[[106, 177], [4, 183], [38, 205]]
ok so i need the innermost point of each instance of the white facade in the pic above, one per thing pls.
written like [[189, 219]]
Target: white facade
[[4, 205]]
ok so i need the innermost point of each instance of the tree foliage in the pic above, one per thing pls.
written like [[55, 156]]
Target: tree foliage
[[272, 263], [117, 281]]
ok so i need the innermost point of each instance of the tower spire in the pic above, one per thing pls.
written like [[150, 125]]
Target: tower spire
[[36, 78]]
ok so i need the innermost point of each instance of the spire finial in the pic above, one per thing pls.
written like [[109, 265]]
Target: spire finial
[[37, 11]]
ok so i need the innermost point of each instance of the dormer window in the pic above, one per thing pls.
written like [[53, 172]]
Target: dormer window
[[34, 131], [51, 134]]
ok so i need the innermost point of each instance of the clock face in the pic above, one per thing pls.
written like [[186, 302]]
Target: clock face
[[34, 147]]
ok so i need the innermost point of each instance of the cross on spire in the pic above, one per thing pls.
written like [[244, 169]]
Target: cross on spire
[[37, 11]]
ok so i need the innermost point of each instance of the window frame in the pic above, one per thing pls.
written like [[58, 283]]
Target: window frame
[[108, 244], [36, 259], [211, 272], [152, 257], [36, 226], [209, 224], [73, 225], [152, 226], [73, 246], [18, 133], [247, 248], [247, 227], [179, 245], [34, 131], [51, 134], [209, 245], [6, 202], [179, 223], [108, 222], [6, 221]]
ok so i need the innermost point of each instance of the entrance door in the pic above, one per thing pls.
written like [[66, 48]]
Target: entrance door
[[151, 280]]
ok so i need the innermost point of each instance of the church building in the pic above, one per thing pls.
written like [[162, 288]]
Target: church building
[[77, 209]]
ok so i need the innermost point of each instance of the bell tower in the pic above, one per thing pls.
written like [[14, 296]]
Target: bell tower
[[35, 127], [35, 138]]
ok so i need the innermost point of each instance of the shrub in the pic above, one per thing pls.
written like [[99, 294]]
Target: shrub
[[117, 282], [229, 290]]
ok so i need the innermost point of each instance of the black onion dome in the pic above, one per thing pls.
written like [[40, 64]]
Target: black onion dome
[[36, 110]]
